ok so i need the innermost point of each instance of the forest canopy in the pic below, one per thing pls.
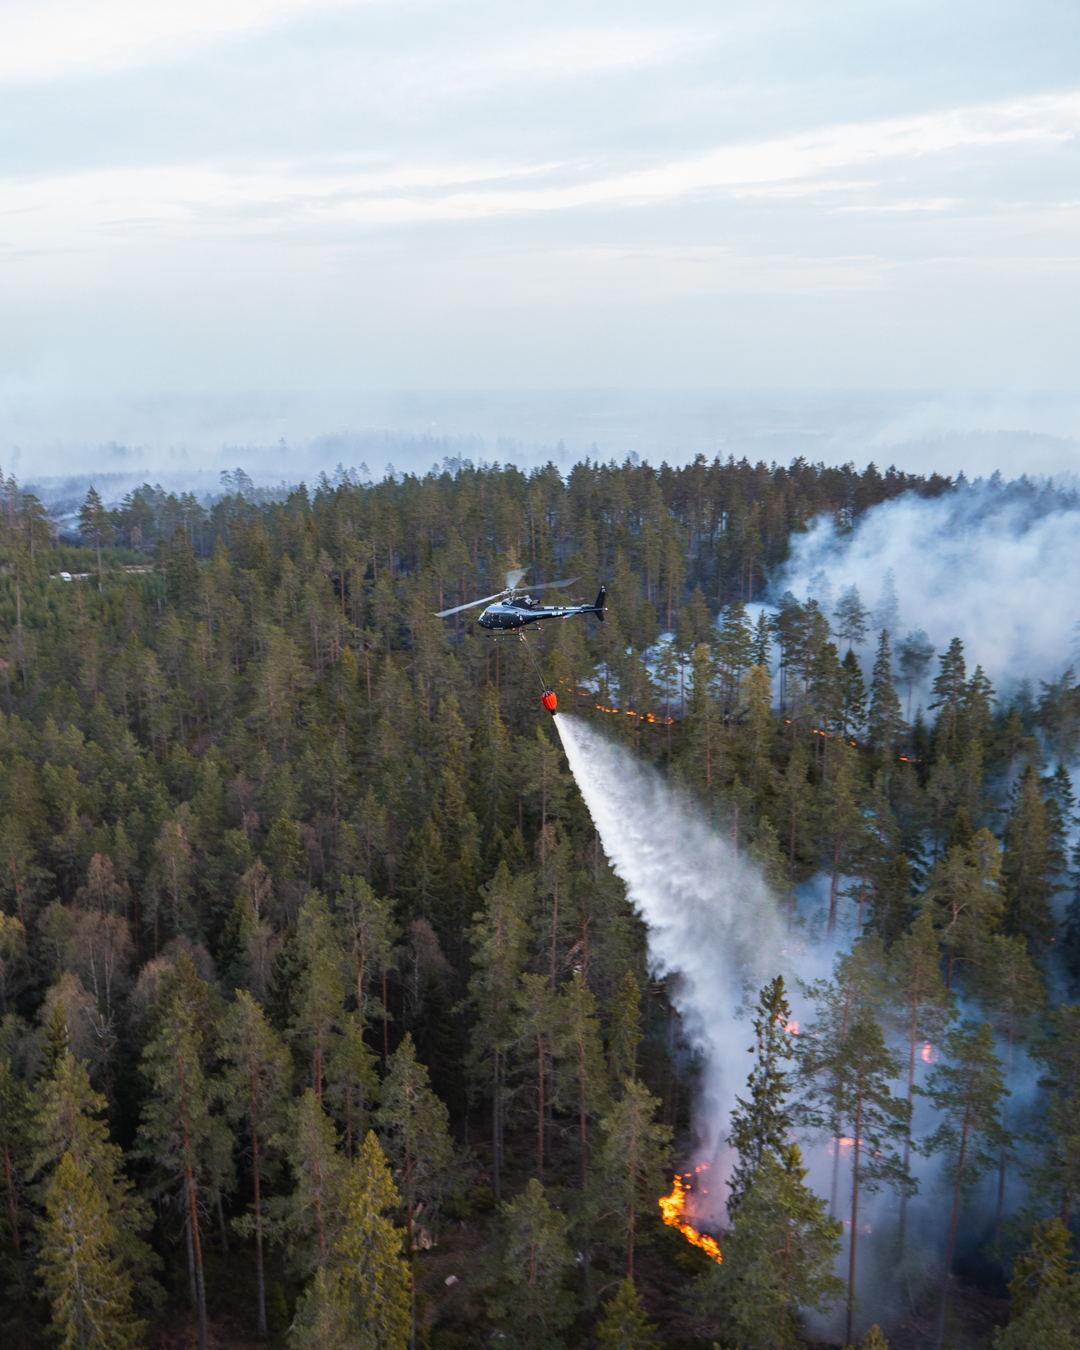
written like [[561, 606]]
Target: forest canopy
[[316, 987]]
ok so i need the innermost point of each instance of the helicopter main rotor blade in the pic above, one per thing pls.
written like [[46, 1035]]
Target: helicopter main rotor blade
[[513, 577], [444, 613], [545, 585]]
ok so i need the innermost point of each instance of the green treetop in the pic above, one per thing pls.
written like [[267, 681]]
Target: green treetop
[[88, 1290]]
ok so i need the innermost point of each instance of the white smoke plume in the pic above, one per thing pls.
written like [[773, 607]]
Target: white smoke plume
[[711, 916], [998, 567]]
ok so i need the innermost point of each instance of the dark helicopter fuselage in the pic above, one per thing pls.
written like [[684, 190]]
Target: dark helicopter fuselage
[[516, 613]]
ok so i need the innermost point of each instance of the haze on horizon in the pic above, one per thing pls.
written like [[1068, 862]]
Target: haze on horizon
[[845, 228]]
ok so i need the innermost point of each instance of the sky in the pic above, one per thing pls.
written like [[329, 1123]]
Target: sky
[[660, 227]]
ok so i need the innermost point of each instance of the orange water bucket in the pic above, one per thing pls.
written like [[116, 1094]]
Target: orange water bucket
[[548, 699]]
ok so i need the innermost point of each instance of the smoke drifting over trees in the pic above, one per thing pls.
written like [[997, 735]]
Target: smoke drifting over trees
[[343, 1000]]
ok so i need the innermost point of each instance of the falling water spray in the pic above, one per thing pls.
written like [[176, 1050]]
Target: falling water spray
[[711, 916]]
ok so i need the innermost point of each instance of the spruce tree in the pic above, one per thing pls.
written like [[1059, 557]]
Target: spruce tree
[[68, 1116], [778, 1258], [321, 1321], [624, 1325], [852, 710], [88, 1290], [761, 1125], [884, 721], [1056, 1172], [949, 688], [624, 1031], [375, 1279], [841, 821], [529, 1301], [1028, 864]]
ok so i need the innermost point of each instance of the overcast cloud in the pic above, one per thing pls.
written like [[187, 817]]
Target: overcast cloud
[[304, 205]]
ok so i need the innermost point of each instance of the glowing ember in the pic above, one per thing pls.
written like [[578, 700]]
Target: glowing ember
[[672, 1206]]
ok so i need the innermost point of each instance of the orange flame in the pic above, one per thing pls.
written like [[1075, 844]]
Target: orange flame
[[672, 1206], [929, 1054]]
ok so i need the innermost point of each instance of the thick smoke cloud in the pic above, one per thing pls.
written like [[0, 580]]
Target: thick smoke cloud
[[997, 566]]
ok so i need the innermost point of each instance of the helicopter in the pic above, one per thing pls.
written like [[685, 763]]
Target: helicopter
[[513, 611]]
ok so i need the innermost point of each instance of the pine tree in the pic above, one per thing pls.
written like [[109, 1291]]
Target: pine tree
[[179, 1134], [761, 1125], [921, 1009], [851, 618], [856, 1074], [967, 1094], [1008, 986], [778, 1258], [529, 1301], [585, 1077], [857, 990], [914, 655], [624, 1325], [87, 1288], [963, 899], [794, 809], [352, 1084], [636, 1150], [884, 721], [499, 939], [95, 526], [320, 994], [538, 1037], [309, 1219], [413, 1125], [1045, 1265], [254, 1091]]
